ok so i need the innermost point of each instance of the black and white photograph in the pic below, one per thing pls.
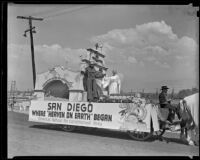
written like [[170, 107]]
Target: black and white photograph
[[102, 80]]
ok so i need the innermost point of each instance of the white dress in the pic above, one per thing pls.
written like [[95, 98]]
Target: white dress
[[115, 85], [105, 82]]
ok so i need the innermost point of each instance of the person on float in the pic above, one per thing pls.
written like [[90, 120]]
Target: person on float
[[92, 88], [99, 81], [84, 80], [115, 83]]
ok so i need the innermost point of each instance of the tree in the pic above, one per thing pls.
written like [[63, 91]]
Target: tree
[[186, 92], [172, 94], [195, 90], [156, 92]]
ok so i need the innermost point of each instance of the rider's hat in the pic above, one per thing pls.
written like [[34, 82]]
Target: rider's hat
[[164, 87]]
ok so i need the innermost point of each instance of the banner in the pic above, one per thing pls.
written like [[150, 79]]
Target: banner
[[120, 116]]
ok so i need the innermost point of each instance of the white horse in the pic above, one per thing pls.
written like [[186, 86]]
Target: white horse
[[188, 112]]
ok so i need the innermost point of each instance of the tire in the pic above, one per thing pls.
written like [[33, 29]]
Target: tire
[[160, 132], [92, 129], [68, 128], [140, 136]]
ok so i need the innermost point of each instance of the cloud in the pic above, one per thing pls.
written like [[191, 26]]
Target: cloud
[[54, 46], [150, 51], [156, 29], [141, 63], [132, 60], [153, 39], [154, 47], [46, 57], [150, 59], [155, 50], [55, 55], [148, 34], [162, 65]]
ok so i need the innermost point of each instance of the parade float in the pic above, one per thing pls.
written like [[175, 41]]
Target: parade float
[[61, 99]]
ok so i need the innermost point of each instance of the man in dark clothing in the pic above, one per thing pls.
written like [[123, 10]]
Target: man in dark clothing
[[92, 88], [166, 110], [99, 76], [84, 80], [165, 103]]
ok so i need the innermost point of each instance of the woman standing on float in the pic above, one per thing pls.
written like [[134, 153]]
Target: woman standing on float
[[115, 83]]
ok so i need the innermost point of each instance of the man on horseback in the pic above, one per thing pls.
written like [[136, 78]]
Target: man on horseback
[[165, 104], [166, 111]]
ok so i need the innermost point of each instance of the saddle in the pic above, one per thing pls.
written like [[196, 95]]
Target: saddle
[[163, 113]]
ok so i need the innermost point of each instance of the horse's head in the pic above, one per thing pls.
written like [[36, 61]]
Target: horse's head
[[180, 108], [176, 111]]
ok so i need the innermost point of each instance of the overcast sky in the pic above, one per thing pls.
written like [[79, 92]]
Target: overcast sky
[[149, 45]]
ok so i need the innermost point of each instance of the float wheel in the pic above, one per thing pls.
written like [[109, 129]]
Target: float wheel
[[68, 128], [140, 136]]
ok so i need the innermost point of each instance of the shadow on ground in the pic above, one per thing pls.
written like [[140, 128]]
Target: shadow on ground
[[106, 133]]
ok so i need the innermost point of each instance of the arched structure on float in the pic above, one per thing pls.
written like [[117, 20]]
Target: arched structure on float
[[58, 82], [57, 88]]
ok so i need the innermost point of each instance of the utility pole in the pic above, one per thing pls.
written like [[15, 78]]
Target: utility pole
[[31, 30], [12, 94]]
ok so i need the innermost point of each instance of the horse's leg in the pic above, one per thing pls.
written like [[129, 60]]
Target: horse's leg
[[189, 137], [182, 134], [186, 133], [160, 136]]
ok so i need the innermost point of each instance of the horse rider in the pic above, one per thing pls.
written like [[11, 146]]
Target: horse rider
[[165, 103]]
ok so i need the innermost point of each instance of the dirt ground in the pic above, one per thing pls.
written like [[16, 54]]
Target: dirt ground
[[36, 139]]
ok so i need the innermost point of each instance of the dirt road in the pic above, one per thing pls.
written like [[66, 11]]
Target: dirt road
[[35, 139]]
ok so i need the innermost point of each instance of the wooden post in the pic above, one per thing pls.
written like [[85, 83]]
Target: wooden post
[[31, 41]]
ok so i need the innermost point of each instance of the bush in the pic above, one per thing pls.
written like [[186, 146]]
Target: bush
[[187, 92]]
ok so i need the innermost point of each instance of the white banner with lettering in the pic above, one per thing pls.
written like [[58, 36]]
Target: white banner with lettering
[[120, 116]]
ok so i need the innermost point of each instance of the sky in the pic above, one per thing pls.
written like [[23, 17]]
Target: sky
[[149, 45]]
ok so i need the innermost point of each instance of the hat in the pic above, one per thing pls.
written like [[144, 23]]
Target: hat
[[164, 87]]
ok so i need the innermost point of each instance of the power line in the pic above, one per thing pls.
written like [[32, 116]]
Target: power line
[[60, 11], [54, 9], [68, 11]]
